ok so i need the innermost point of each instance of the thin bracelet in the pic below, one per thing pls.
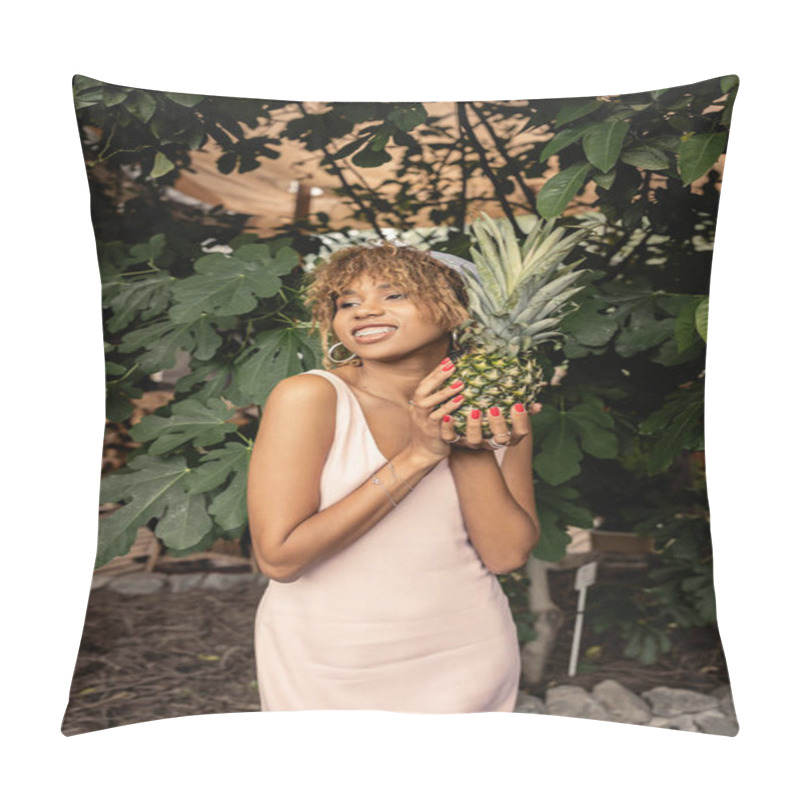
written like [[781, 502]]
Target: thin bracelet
[[394, 474], [376, 480]]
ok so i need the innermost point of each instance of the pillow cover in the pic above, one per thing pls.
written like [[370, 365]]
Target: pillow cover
[[212, 213]]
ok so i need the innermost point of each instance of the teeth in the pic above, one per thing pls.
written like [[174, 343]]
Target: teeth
[[372, 331]]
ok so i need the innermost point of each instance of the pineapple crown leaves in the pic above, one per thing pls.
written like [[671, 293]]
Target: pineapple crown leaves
[[519, 289], [508, 270]]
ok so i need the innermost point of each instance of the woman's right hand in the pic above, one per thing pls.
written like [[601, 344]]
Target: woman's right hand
[[426, 419]]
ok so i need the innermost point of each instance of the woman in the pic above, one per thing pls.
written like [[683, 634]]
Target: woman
[[381, 530]]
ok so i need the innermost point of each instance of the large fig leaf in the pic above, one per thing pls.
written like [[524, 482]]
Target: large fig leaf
[[149, 488], [190, 421], [231, 284], [276, 355]]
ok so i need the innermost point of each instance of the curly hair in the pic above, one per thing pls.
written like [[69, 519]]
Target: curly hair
[[427, 282]]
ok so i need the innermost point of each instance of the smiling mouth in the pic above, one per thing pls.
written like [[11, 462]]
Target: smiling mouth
[[373, 334]]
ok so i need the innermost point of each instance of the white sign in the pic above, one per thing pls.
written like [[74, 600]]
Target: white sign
[[585, 576]]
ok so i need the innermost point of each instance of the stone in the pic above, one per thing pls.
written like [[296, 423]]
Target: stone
[[621, 703], [226, 581], [723, 694], [185, 581], [138, 583], [575, 701], [529, 704], [683, 722], [713, 721], [99, 581], [667, 702]]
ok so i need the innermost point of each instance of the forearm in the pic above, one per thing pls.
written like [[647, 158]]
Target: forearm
[[502, 532], [344, 522]]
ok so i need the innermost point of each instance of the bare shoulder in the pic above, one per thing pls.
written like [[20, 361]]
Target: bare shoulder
[[302, 389], [300, 411]]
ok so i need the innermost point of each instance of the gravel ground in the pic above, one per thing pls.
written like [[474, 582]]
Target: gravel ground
[[163, 655]]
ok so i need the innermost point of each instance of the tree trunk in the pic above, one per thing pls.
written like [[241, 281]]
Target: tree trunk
[[548, 619]]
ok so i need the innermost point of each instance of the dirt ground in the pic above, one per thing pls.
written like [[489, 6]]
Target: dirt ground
[[163, 655]]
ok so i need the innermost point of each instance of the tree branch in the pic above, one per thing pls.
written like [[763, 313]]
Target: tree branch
[[501, 148], [366, 210], [470, 133]]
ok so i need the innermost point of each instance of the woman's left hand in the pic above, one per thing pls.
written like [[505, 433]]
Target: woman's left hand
[[473, 437]]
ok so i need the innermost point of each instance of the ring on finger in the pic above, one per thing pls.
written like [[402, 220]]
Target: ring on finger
[[495, 445], [453, 441]]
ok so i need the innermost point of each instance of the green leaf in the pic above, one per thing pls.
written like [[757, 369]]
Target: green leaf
[[668, 141], [113, 369], [149, 486], [161, 166], [552, 544], [685, 326], [408, 116], [206, 339], [569, 112], [557, 507], [216, 467], [645, 157], [699, 152], [114, 95], [555, 195], [129, 297], [559, 457], [728, 82], [147, 252], [561, 500], [594, 427], [229, 508], [190, 421], [602, 143], [668, 355], [86, 92], [605, 180], [589, 326], [142, 105], [230, 285], [679, 425], [186, 100], [642, 331], [277, 354], [161, 341], [701, 319], [186, 521], [561, 140]]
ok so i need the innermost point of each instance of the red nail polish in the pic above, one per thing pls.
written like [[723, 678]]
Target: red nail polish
[[475, 413], [446, 418], [458, 399], [494, 411], [456, 384], [519, 407], [448, 367]]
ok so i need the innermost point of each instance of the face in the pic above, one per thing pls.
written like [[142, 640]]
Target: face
[[368, 303]]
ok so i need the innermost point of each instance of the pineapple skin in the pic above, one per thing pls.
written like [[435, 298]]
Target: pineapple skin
[[494, 379]]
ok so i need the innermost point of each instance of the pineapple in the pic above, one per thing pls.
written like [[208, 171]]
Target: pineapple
[[517, 300]]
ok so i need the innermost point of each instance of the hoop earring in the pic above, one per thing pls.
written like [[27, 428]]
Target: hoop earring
[[454, 348], [339, 360]]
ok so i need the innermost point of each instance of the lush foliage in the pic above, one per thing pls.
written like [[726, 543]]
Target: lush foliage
[[615, 436]]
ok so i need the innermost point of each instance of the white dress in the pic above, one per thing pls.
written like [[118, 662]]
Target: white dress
[[407, 618]]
